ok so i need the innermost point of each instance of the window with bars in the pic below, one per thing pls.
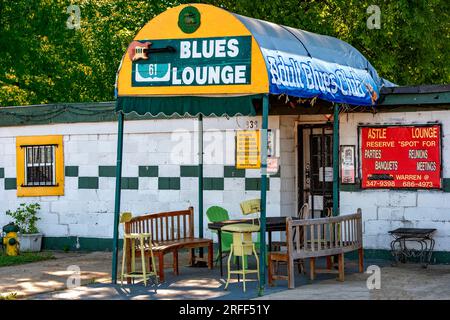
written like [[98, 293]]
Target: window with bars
[[40, 165]]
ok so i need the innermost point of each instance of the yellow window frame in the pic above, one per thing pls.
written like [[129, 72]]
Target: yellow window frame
[[38, 191]]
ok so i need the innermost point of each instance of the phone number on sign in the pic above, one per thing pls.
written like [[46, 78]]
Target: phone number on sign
[[422, 184]]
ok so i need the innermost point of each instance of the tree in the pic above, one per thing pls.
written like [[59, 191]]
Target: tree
[[43, 61]]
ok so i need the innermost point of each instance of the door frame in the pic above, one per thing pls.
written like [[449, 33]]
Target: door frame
[[299, 126]]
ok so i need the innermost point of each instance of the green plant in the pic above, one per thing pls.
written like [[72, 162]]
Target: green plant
[[26, 217]]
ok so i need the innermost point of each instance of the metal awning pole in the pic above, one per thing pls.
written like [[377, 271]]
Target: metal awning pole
[[117, 196], [200, 179], [336, 160], [262, 245]]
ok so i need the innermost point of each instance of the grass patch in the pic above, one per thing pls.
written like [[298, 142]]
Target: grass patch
[[24, 257]]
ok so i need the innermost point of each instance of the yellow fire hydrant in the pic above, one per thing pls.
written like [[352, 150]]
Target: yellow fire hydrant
[[10, 240]]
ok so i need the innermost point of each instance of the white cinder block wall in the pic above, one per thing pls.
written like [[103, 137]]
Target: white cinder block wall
[[385, 210], [163, 143], [171, 143]]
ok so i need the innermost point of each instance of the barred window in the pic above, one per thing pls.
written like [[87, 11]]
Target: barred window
[[40, 165]]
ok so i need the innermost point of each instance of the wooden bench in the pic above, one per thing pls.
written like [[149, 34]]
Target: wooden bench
[[171, 231], [313, 238]]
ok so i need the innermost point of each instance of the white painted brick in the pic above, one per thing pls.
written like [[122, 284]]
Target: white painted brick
[[92, 137], [88, 171], [287, 159], [10, 149], [107, 146], [273, 197], [212, 170], [88, 194], [381, 227], [54, 230], [70, 218], [213, 196], [106, 183], [287, 171], [169, 171], [433, 199], [275, 184], [168, 195], [87, 146], [402, 199], [287, 184], [10, 172], [390, 213], [149, 183], [77, 159], [9, 161], [80, 230], [427, 214], [106, 159], [106, 194], [235, 184], [130, 146], [130, 171], [48, 218], [252, 173]]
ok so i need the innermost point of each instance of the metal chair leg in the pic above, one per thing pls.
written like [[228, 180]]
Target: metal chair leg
[[229, 268], [144, 269], [124, 252]]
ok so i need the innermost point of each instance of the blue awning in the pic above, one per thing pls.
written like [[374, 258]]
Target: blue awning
[[304, 64]]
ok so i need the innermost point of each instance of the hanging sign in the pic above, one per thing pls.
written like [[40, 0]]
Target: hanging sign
[[401, 157], [191, 62], [272, 166], [248, 149], [348, 168], [308, 77]]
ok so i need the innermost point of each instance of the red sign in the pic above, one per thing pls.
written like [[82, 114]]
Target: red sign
[[401, 157]]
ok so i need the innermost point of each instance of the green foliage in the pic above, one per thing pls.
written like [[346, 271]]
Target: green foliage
[[25, 217], [24, 257], [43, 61]]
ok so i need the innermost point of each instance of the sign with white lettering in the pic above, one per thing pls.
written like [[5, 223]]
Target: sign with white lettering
[[308, 77], [401, 157], [191, 62]]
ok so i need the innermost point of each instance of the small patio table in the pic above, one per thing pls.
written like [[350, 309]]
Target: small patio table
[[272, 224], [402, 236]]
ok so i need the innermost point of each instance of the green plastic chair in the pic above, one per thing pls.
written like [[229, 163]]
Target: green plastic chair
[[217, 214]]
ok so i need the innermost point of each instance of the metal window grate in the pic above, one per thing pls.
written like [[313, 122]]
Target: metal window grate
[[40, 166]]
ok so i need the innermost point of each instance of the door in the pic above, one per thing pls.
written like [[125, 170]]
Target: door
[[315, 168]]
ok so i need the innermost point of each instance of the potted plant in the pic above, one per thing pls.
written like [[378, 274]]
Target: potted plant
[[25, 217]]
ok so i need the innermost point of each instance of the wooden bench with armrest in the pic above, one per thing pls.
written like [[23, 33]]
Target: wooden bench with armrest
[[171, 232], [314, 238]]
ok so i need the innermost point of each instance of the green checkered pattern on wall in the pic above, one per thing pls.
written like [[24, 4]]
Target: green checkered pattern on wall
[[164, 183]]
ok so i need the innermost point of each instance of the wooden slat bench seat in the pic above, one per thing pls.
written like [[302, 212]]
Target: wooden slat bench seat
[[171, 232], [314, 238]]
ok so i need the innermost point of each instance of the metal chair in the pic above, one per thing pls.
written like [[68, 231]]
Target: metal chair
[[144, 243], [243, 245]]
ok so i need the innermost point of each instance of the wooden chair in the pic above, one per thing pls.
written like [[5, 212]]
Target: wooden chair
[[322, 237]]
